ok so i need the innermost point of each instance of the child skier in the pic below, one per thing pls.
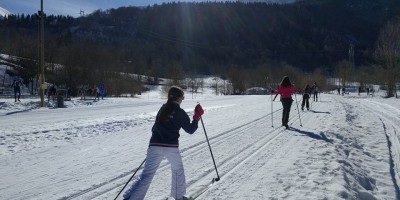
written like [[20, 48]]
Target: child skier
[[285, 89], [306, 96], [164, 143]]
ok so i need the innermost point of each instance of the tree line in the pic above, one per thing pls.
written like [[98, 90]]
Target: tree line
[[249, 44]]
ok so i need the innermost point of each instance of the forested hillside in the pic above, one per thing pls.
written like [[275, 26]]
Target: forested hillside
[[204, 38]]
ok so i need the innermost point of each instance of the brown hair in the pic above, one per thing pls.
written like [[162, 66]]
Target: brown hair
[[285, 82], [174, 94]]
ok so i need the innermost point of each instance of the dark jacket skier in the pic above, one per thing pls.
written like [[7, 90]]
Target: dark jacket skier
[[17, 89], [306, 96], [164, 143]]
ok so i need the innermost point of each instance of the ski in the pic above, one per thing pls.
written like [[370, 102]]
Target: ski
[[201, 190]]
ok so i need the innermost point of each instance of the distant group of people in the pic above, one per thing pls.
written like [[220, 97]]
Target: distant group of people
[[98, 91], [343, 91], [286, 89]]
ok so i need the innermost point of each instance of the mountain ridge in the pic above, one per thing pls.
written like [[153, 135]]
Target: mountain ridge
[[209, 37], [4, 12]]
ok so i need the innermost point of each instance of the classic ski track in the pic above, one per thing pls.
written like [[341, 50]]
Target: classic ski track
[[389, 125], [186, 152], [393, 170], [189, 152], [264, 142], [249, 155]]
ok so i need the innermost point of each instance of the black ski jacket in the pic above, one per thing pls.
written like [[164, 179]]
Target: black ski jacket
[[166, 133]]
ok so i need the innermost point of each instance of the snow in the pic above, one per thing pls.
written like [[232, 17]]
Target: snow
[[4, 12], [345, 147]]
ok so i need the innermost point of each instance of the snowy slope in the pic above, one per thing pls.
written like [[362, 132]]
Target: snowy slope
[[343, 148], [4, 12]]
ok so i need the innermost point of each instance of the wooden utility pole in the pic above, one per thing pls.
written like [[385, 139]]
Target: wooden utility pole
[[42, 80]]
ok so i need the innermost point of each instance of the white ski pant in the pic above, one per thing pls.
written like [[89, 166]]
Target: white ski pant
[[155, 154]]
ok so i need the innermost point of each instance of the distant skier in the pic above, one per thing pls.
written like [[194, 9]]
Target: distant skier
[[306, 96], [315, 91], [17, 89], [285, 89], [101, 91], [164, 143], [51, 92]]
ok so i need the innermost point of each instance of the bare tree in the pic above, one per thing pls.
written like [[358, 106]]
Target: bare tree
[[388, 54], [216, 84], [363, 76], [237, 80], [177, 75], [344, 70], [194, 84]]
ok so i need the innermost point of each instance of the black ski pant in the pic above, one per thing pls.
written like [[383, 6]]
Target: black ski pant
[[315, 96], [305, 101], [17, 91], [286, 103]]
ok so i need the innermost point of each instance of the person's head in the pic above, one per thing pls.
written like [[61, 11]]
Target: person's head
[[307, 86], [285, 82], [175, 95]]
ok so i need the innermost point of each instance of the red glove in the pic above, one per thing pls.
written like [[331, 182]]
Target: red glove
[[198, 112]]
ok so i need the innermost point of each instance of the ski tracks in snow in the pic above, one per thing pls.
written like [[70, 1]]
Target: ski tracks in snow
[[269, 151], [390, 117], [336, 161], [190, 154], [249, 139], [376, 125]]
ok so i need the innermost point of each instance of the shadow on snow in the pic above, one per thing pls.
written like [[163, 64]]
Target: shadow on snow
[[314, 111], [20, 111], [321, 136]]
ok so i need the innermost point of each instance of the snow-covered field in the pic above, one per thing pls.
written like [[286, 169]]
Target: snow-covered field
[[343, 148]]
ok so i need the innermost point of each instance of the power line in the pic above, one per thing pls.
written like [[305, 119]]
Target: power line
[[164, 37]]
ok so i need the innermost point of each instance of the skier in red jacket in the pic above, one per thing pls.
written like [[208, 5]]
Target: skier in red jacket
[[285, 89]]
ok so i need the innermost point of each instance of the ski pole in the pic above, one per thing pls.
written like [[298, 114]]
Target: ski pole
[[272, 112], [272, 106], [298, 108], [130, 179], [212, 156], [275, 96]]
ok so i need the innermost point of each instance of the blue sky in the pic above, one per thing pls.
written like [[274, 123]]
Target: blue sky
[[73, 7]]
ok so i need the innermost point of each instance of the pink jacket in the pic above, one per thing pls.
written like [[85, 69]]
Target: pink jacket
[[285, 92]]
